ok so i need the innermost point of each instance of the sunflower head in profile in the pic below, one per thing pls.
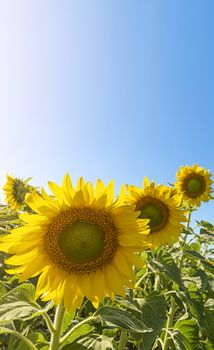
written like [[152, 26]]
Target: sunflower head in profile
[[82, 242], [195, 184], [161, 205], [15, 190]]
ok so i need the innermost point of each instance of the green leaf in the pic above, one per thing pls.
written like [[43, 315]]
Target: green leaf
[[196, 305], [199, 278], [69, 316], [208, 345], [3, 289], [194, 246], [188, 334], [209, 313], [122, 319], [206, 235], [166, 264], [206, 224], [153, 314], [209, 267], [19, 303], [93, 342], [16, 310], [193, 254], [24, 292], [180, 341], [37, 339], [3, 231], [78, 332]]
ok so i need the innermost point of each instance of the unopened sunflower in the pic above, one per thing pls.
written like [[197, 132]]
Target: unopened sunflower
[[82, 243], [195, 184], [161, 205], [15, 190]]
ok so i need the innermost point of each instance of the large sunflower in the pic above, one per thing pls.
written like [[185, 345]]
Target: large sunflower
[[161, 205], [195, 184], [15, 190], [82, 243]]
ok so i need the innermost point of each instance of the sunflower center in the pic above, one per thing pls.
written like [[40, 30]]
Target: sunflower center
[[155, 210], [82, 242], [194, 185]]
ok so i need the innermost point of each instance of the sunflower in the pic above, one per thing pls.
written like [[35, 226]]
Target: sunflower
[[161, 205], [15, 190], [81, 243], [195, 184]]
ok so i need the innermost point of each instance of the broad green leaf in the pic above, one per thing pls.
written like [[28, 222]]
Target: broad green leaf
[[3, 231], [69, 316], [153, 314], [78, 332], [166, 264], [188, 334], [20, 303], [206, 224], [208, 345], [193, 254], [195, 304], [209, 313], [209, 267], [94, 342], [37, 339], [206, 235], [127, 303], [122, 319], [24, 292], [3, 289], [199, 278], [194, 246], [16, 310], [180, 341]]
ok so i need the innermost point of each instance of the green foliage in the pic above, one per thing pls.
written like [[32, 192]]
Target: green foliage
[[171, 308], [122, 319]]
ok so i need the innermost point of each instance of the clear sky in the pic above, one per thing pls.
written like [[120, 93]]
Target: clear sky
[[110, 89]]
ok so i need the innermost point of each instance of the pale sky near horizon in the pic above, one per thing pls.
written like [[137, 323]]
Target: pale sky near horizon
[[109, 89]]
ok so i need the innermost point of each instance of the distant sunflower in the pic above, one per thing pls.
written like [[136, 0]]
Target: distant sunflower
[[161, 205], [15, 190], [195, 184], [82, 243]]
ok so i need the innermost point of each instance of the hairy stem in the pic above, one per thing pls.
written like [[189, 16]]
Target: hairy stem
[[123, 340], [188, 225], [169, 323], [55, 336], [11, 342], [157, 283], [49, 323]]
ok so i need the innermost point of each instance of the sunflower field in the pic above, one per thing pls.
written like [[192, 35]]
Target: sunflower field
[[84, 268]]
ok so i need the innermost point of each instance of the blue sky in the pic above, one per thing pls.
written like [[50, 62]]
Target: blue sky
[[110, 89]]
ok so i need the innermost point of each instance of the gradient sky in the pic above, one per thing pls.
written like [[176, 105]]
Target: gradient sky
[[110, 89]]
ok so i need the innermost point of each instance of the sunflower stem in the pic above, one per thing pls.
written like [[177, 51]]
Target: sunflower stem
[[157, 283], [180, 263], [49, 323], [169, 323], [55, 336], [11, 342], [187, 226], [123, 340]]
